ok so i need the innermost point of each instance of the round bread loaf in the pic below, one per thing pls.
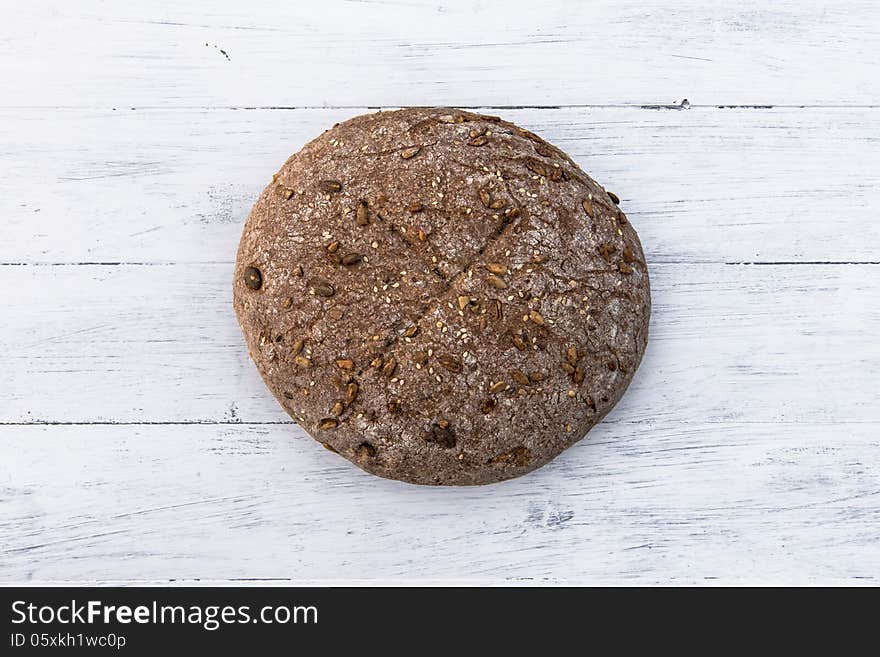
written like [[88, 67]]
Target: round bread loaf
[[440, 296]]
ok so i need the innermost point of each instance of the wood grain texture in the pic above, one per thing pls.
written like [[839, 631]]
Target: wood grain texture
[[489, 52], [703, 185], [672, 502], [137, 442]]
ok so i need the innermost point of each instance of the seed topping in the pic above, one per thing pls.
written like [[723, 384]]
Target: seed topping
[[412, 151], [605, 250], [360, 215], [496, 282], [451, 363], [253, 279], [519, 377], [389, 367], [498, 386], [330, 186], [517, 341], [322, 287]]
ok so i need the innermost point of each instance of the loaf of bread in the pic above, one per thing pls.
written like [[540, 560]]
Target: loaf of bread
[[440, 296]]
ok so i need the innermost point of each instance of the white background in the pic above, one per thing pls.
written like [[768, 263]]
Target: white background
[[137, 442]]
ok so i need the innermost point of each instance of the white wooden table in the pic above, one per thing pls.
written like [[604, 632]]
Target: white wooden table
[[137, 442]]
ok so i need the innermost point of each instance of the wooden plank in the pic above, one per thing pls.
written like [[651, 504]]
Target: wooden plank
[[673, 502], [335, 52], [154, 343], [700, 185]]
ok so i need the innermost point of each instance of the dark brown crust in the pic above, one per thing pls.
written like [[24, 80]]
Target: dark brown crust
[[437, 302]]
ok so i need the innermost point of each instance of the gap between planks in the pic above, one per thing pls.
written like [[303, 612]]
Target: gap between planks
[[391, 107], [777, 263], [292, 423]]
